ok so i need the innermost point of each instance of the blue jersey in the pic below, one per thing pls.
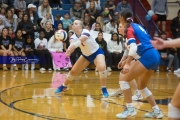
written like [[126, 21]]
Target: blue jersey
[[137, 34]]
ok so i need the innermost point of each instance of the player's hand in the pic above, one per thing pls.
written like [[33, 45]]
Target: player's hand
[[158, 43], [70, 49], [125, 69]]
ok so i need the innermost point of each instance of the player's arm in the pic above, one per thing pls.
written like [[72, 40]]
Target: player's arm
[[84, 36]]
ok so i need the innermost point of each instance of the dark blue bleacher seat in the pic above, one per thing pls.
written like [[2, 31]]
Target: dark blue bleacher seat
[[61, 12], [67, 6]]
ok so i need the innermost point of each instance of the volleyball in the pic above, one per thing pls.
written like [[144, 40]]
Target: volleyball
[[61, 35]]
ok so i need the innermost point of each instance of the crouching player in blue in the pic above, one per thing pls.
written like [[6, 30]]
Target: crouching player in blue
[[91, 53], [138, 42]]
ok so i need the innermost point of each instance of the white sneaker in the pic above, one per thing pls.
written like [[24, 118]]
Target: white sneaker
[[50, 69], [154, 114], [23, 65], [109, 69], [32, 66], [58, 69], [137, 97], [26, 66], [116, 93], [42, 69], [177, 71], [128, 112]]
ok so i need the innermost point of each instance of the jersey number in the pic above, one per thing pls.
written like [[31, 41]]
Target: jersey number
[[142, 29]]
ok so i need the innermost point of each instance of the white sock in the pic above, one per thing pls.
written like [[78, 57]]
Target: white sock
[[64, 85], [103, 86], [14, 65], [129, 105], [155, 107], [4, 65]]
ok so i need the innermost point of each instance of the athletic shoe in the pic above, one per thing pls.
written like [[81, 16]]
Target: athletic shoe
[[154, 114], [104, 92], [61, 89], [137, 97], [128, 112], [116, 93], [109, 69]]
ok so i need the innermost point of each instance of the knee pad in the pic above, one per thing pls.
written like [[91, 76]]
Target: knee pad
[[124, 85], [145, 92], [103, 74], [70, 77], [173, 112]]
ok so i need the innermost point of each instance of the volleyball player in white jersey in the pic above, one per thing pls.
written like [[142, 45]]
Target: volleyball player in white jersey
[[91, 53]]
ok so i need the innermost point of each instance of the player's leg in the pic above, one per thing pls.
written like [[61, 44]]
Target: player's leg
[[80, 64], [174, 106], [136, 69], [146, 93], [99, 61]]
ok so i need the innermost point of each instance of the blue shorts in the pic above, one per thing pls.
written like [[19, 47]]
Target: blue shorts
[[150, 59], [91, 57]]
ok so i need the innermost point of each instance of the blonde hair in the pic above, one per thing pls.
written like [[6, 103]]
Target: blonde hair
[[48, 7], [100, 20]]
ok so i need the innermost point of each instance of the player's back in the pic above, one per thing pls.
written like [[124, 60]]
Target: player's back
[[142, 38]]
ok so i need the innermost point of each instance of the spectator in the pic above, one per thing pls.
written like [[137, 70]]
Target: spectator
[[3, 13], [123, 4], [67, 22], [115, 47], [20, 17], [5, 3], [1, 25], [26, 26], [6, 48], [76, 12], [175, 28], [49, 32], [18, 46], [43, 9], [55, 46], [92, 11], [9, 21], [19, 5], [103, 44], [87, 21], [11, 33], [111, 27], [60, 26], [160, 8], [101, 21], [57, 21], [45, 20], [166, 53], [58, 2], [106, 16], [98, 27], [97, 4], [175, 25], [41, 51], [111, 7], [29, 50], [32, 15]]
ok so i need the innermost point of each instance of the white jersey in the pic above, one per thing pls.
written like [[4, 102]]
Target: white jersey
[[89, 46]]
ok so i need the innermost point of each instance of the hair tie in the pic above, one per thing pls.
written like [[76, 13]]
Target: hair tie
[[130, 18]]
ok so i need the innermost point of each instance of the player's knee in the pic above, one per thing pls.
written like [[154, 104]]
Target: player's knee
[[145, 92], [173, 112], [70, 76], [103, 74], [124, 85]]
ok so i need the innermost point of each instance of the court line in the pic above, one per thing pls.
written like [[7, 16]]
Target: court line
[[33, 114], [43, 116]]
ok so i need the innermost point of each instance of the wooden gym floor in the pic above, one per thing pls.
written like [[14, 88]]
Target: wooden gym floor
[[29, 95]]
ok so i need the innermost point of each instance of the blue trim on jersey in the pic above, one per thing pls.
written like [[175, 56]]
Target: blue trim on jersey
[[131, 41], [91, 57], [150, 59], [86, 34]]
